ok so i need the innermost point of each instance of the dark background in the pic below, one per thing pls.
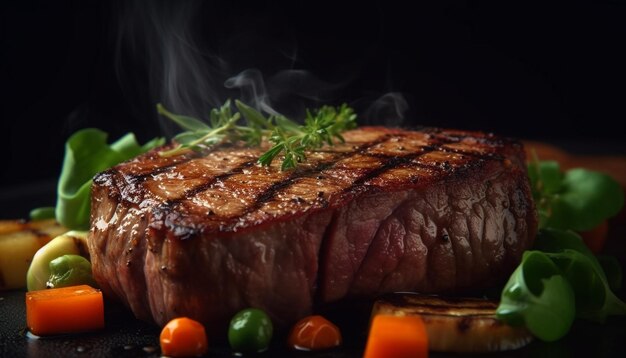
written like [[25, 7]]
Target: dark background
[[554, 71]]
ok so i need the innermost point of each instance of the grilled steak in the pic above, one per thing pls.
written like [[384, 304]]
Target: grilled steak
[[206, 234]]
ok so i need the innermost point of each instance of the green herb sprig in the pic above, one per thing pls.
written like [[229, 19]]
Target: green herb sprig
[[321, 126]]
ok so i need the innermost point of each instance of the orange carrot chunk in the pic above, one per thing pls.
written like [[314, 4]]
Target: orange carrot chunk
[[64, 310], [396, 336]]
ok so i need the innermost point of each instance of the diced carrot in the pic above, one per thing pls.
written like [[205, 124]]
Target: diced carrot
[[596, 237], [397, 336], [64, 310], [314, 333]]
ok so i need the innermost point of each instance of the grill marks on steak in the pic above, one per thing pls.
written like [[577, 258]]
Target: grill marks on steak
[[229, 192], [207, 234]]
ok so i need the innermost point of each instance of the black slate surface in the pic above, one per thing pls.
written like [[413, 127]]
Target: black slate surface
[[125, 336]]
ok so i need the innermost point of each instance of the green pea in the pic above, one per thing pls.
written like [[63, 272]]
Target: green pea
[[250, 331], [70, 270]]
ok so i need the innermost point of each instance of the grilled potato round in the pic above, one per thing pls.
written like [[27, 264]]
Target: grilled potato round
[[19, 240], [459, 325]]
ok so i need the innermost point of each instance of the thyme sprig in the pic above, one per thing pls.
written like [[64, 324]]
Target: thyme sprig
[[321, 126]]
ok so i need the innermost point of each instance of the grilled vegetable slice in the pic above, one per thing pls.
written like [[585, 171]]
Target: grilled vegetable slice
[[19, 241], [456, 324]]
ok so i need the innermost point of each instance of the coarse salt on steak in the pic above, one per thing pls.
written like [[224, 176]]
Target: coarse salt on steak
[[204, 235]]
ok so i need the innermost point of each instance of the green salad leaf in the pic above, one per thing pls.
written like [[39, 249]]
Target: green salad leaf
[[538, 297], [594, 298], [558, 281], [613, 271], [577, 199], [86, 154]]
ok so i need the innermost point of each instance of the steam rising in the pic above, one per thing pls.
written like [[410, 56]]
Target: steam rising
[[287, 92], [161, 38], [253, 91], [162, 56], [389, 109]]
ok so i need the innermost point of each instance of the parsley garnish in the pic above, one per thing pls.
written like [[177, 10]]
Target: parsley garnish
[[292, 140]]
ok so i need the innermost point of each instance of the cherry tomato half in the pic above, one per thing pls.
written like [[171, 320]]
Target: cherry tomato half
[[314, 333], [183, 337]]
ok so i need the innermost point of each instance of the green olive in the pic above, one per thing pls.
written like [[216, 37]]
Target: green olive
[[250, 331], [70, 270]]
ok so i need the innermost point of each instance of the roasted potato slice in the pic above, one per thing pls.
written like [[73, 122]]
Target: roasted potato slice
[[459, 325], [19, 241]]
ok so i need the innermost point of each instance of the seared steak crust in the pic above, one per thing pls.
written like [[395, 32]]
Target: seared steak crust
[[206, 234]]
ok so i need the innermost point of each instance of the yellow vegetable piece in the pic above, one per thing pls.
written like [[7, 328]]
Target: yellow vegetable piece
[[19, 240], [64, 310]]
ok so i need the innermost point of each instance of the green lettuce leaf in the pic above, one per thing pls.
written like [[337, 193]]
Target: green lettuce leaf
[[86, 154]]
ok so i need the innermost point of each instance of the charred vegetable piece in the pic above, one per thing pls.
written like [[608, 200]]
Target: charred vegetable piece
[[397, 336], [72, 242], [250, 331], [64, 310], [19, 241], [460, 325], [314, 333], [70, 270], [183, 337]]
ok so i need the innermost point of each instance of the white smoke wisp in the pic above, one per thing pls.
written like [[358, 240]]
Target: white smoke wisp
[[389, 109], [286, 92], [253, 91], [166, 52], [159, 59]]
